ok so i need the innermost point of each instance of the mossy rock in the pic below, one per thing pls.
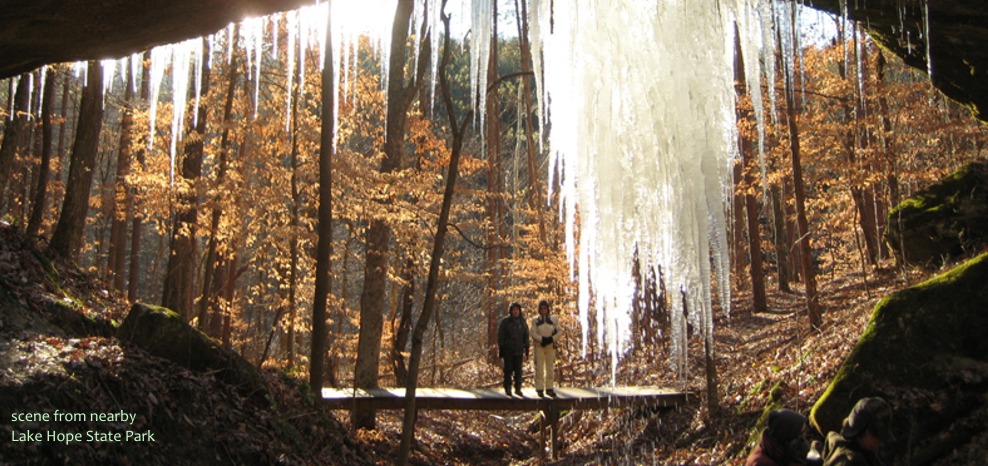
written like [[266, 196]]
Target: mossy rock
[[73, 320], [163, 333], [947, 220], [925, 350]]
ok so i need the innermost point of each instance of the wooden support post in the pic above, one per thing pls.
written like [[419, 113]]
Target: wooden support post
[[542, 422], [554, 422]]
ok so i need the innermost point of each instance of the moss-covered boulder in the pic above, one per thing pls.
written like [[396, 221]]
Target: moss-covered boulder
[[925, 350], [945, 221], [163, 333]]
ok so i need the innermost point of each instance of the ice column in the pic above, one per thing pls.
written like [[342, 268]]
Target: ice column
[[642, 111]]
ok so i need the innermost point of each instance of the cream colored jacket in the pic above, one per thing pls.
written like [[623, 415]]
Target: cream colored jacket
[[549, 327]]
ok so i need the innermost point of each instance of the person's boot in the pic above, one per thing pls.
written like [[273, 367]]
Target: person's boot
[[507, 391], [518, 392], [540, 393], [551, 392]]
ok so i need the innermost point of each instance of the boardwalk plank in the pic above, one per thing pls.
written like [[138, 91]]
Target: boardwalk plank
[[491, 399]]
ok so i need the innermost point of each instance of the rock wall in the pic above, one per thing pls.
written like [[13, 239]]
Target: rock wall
[[944, 222], [924, 351]]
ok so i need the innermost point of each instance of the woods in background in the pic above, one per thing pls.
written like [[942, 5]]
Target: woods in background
[[226, 233]]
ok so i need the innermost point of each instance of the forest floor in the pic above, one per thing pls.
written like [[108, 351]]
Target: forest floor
[[766, 359], [200, 420]]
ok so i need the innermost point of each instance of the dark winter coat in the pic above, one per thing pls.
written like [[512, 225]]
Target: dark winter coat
[[769, 452], [846, 452], [512, 336]]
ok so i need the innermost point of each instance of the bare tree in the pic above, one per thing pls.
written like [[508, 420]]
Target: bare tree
[[324, 247], [67, 238], [40, 203], [755, 269], [429, 304], [179, 288], [401, 94]]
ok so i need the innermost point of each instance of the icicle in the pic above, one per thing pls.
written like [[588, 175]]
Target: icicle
[[10, 101], [109, 71], [197, 60], [642, 140], [160, 56], [43, 76], [135, 70], [336, 51], [481, 21], [274, 37], [182, 55], [230, 39], [291, 32], [927, 38]]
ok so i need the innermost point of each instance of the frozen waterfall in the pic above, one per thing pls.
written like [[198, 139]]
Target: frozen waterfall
[[640, 99], [643, 136]]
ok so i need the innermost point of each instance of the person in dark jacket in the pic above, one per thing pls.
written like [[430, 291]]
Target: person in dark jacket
[[783, 442], [512, 346], [865, 431]]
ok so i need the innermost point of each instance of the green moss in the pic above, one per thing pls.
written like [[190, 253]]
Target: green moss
[[163, 333], [947, 219], [908, 337], [775, 402]]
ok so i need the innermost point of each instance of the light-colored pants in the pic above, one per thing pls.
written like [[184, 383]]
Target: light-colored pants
[[545, 366]]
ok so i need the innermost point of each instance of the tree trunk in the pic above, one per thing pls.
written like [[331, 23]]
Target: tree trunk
[[118, 202], [67, 239], [136, 229], [756, 270], [534, 184], [15, 135], [208, 299], [806, 255], [378, 237], [404, 329], [862, 192], [429, 304], [40, 203], [780, 237], [179, 288], [294, 223], [324, 246], [738, 245]]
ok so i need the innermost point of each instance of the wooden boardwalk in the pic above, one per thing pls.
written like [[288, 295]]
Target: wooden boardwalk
[[494, 399]]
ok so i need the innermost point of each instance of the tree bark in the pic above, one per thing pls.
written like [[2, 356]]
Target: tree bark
[[67, 238], [429, 304], [179, 288], [806, 256], [378, 237], [208, 299], [324, 246], [534, 184], [118, 202], [15, 135], [137, 227], [756, 270], [294, 223], [403, 331], [780, 237], [40, 203]]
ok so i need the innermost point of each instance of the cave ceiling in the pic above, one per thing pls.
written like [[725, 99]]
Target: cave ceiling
[[38, 32]]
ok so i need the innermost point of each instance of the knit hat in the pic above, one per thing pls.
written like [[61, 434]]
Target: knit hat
[[785, 425], [872, 414]]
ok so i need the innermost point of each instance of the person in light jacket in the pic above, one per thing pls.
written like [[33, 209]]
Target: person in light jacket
[[545, 332]]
